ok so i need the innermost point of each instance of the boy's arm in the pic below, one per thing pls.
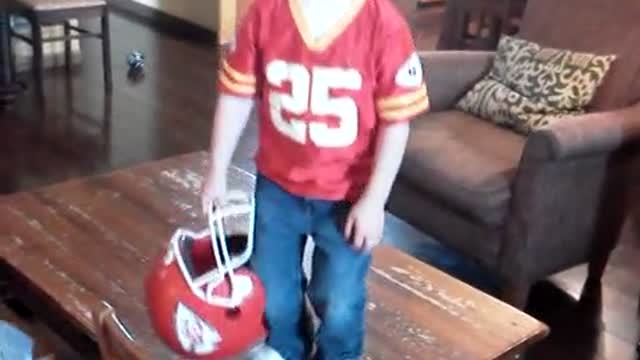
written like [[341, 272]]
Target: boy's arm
[[390, 147], [237, 86], [237, 82], [401, 95], [230, 118], [364, 225]]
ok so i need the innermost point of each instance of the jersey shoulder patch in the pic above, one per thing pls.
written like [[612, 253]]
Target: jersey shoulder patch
[[410, 73]]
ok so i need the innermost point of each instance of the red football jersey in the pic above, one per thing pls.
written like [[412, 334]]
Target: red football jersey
[[322, 100]]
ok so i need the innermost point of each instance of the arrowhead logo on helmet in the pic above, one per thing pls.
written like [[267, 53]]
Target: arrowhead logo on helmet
[[204, 303], [193, 333]]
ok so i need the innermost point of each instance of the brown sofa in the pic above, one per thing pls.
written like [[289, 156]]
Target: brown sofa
[[528, 207]]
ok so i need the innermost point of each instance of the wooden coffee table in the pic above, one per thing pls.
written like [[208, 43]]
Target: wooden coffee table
[[72, 245]]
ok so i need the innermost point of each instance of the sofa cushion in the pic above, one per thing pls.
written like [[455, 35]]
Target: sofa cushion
[[561, 78], [493, 101], [467, 163], [530, 86], [596, 26]]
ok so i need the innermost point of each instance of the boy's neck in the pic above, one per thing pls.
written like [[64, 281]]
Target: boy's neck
[[322, 15]]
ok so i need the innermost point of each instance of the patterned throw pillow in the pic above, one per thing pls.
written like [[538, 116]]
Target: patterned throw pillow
[[530, 87]]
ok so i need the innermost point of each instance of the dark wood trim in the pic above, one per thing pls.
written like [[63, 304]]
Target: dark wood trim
[[30, 301], [424, 4], [164, 22]]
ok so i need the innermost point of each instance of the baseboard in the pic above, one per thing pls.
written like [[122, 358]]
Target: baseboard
[[165, 22]]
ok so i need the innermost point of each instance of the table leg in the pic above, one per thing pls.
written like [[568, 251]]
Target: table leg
[[9, 87]]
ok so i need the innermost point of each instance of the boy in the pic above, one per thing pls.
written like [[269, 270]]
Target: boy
[[335, 83]]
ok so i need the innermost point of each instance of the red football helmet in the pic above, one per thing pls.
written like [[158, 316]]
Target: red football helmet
[[203, 302]]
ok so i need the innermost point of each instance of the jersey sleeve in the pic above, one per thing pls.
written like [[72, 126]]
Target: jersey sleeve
[[401, 92], [237, 74]]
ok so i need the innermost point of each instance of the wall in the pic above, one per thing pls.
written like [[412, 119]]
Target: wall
[[229, 12], [200, 12], [219, 16]]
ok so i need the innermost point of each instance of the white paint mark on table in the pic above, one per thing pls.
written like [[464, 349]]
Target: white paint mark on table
[[415, 338], [414, 291], [188, 179], [145, 181], [17, 240], [104, 230], [116, 285], [37, 226], [81, 308], [418, 281], [173, 176], [400, 270], [186, 208], [73, 284], [422, 283], [422, 334], [459, 301], [194, 178]]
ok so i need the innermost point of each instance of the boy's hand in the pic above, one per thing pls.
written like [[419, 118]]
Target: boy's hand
[[214, 189], [366, 220], [365, 224]]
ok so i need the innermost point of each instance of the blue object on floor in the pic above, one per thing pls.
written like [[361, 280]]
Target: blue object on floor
[[457, 265], [14, 344], [427, 249]]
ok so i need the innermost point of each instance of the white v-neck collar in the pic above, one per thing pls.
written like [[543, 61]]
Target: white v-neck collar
[[322, 15], [323, 36]]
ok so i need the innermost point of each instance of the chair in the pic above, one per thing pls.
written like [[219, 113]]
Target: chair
[[54, 12], [478, 24], [528, 207], [114, 340]]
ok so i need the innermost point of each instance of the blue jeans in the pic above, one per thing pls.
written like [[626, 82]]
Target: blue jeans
[[337, 289]]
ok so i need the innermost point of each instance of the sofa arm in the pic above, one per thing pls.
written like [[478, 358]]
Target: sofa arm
[[567, 199], [585, 135], [449, 74]]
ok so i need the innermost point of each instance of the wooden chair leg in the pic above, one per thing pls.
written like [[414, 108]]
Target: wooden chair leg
[[516, 294], [67, 46], [12, 56], [106, 51], [38, 57]]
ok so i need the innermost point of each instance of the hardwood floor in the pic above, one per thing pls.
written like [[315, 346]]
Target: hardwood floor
[[80, 132]]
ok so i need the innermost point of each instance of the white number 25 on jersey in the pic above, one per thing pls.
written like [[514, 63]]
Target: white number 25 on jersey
[[313, 87]]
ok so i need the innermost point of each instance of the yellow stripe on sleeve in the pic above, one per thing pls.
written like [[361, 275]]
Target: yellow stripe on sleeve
[[234, 86], [407, 111], [237, 76], [401, 101]]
